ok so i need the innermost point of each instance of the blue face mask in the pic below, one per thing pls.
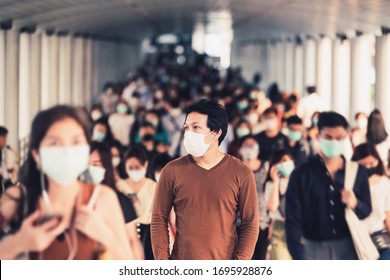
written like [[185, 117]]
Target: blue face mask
[[286, 168], [331, 148], [98, 136], [295, 136], [242, 106]]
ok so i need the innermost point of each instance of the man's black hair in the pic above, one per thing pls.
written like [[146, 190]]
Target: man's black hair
[[294, 120], [270, 110], [332, 120], [217, 118], [3, 131], [311, 89]]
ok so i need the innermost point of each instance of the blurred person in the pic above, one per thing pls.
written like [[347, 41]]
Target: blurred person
[[377, 135], [316, 198], [298, 147], [108, 99], [271, 139], [243, 129], [142, 190], [58, 154], [309, 104], [101, 131], [253, 119], [280, 168], [96, 112], [312, 134], [161, 134], [358, 134], [101, 171], [292, 106], [139, 121], [117, 154], [121, 123], [249, 152], [185, 184], [378, 222], [4, 175]]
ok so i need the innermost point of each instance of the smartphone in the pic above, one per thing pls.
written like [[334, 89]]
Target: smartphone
[[45, 218]]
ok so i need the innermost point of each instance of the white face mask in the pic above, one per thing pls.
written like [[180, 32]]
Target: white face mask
[[97, 174], [157, 176], [95, 115], [64, 165], [250, 153], [362, 123], [194, 143], [137, 175], [116, 161], [271, 124], [252, 118]]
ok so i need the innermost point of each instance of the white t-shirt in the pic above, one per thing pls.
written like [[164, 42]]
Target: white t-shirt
[[310, 104], [383, 151], [121, 126], [380, 201]]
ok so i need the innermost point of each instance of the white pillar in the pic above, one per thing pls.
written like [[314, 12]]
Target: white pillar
[[264, 65], [309, 78], [24, 85], [298, 69], [289, 68], [11, 87], [360, 74], [281, 62], [65, 70], [88, 73], [341, 77], [272, 63], [53, 74], [382, 63], [35, 75], [324, 70], [45, 72], [2, 77], [77, 77]]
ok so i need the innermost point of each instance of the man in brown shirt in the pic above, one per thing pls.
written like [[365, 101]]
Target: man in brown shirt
[[206, 188]]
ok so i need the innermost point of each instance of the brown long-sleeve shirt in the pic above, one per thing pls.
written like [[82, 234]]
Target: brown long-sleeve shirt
[[206, 203]]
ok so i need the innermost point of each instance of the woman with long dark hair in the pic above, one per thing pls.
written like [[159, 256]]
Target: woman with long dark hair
[[58, 154], [280, 168], [102, 172], [378, 136], [378, 222]]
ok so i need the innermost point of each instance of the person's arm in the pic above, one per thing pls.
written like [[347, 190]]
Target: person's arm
[[135, 242], [294, 216], [361, 190], [30, 237], [273, 200], [105, 224], [249, 211], [160, 216]]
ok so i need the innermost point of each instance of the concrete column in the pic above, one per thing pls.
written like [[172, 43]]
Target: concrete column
[[24, 85], [35, 74], [272, 63], [65, 70], [309, 51], [360, 74], [341, 77], [2, 77], [11, 88], [77, 77], [45, 72], [264, 65], [53, 72], [88, 73], [298, 69], [382, 63], [281, 65], [289, 67], [324, 70]]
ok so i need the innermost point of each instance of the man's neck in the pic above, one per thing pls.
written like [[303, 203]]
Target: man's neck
[[212, 157]]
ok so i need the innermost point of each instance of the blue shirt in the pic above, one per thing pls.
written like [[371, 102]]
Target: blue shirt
[[314, 209]]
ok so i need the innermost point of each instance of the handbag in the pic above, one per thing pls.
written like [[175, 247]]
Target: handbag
[[364, 246]]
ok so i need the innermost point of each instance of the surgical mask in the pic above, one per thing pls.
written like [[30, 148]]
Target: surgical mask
[[194, 143], [372, 171], [285, 131], [98, 136], [122, 109], [95, 115], [154, 122], [252, 118], [332, 148], [362, 123], [286, 168], [116, 161], [295, 136], [64, 165], [148, 137], [271, 124], [137, 175], [250, 153], [97, 174], [243, 131], [314, 122], [157, 176], [242, 106]]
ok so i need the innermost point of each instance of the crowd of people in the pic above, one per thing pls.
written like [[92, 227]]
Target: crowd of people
[[182, 163]]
